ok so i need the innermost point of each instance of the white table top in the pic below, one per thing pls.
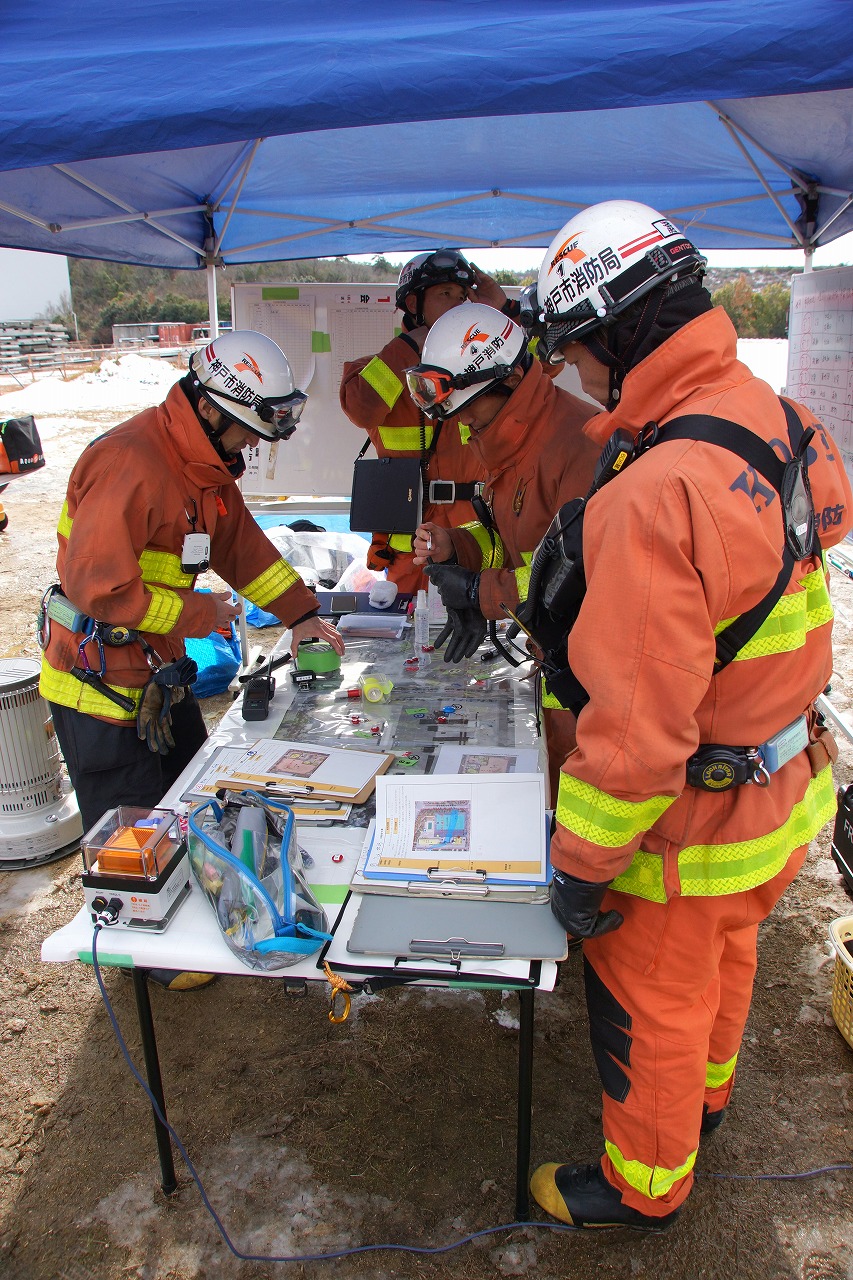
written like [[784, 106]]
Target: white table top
[[192, 940]]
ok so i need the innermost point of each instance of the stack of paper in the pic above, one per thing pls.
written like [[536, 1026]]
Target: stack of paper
[[471, 836], [301, 771]]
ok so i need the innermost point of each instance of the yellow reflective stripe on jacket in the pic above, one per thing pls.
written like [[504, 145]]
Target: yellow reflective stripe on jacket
[[68, 691], [270, 584], [164, 568], [710, 870], [718, 1073], [650, 1181], [522, 581], [643, 878], [491, 548], [406, 439], [603, 819], [790, 620], [65, 521], [383, 380], [548, 699], [162, 613], [401, 542], [464, 433]]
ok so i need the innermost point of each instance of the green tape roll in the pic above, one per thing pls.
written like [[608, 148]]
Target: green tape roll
[[318, 657]]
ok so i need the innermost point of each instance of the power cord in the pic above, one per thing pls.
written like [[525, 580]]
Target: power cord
[[366, 1248]]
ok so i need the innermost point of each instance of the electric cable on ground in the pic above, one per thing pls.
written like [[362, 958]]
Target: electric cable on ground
[[433, 1250]]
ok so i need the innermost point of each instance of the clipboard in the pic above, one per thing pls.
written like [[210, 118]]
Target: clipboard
[[447, 929], [445, 883], [375, 973], [246, 774]]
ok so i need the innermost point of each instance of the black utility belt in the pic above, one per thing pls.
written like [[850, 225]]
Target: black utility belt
[[715, 767], [441, 492]]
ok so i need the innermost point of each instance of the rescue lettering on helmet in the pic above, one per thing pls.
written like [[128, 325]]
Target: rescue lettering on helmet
[[239, 389], [485, 353], [568, 249], [250, 365], [574, 284], [473, 335]]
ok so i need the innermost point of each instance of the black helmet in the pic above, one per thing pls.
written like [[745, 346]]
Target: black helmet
[[427, 269]]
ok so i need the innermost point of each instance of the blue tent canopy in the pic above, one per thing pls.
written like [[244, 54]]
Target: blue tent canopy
[[178, 134]]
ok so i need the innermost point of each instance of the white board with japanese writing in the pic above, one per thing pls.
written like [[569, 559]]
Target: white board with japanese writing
[[820, 351], [320, 327]]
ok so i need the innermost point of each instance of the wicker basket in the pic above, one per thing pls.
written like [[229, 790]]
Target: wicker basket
[[841, 931]]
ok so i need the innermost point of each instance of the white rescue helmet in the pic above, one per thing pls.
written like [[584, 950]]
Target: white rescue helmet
[[248, 377], [468, 351], [602, 260]]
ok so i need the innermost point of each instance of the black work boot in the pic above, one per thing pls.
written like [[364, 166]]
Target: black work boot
[[711, 1120], [580, 1195]]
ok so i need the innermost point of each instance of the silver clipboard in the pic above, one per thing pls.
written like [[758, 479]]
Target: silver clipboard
[[449, 928]]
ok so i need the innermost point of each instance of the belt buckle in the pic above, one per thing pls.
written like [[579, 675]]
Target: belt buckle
[[436, 486]]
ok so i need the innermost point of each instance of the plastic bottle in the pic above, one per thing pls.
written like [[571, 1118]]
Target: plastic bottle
[[421, 621], [249, 841]]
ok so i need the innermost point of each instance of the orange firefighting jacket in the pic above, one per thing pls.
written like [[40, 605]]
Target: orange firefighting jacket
[[537, 457], [131, 499], [684, 540], [374, 396]]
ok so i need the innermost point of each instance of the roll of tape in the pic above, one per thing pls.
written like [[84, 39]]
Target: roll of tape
[[317, 656]]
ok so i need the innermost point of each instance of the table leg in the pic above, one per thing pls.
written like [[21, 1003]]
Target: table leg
[[168, 1181], [525, 1102]]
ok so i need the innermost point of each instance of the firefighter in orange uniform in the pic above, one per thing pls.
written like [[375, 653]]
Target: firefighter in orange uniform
[[528, 435], [374, 396], [701, 771], [149, 505]]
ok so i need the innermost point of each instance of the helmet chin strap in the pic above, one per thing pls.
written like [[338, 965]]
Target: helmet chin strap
[[234, 461], [603, 344]]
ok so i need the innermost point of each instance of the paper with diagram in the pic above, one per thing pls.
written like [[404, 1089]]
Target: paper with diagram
[[308, 769], [483, 827]]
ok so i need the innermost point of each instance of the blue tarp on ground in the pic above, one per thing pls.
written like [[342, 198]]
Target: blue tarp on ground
[[279, 130]]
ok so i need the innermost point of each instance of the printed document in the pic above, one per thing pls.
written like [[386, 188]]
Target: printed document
[[486, 826]]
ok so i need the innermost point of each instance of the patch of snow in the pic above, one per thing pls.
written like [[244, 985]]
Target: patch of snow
[[130, 382]]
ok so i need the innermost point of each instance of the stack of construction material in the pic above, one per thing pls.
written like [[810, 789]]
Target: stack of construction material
[[31, 344]]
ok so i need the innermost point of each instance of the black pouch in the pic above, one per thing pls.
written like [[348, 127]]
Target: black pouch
[[387, 495], [842, 837], [20, 446]]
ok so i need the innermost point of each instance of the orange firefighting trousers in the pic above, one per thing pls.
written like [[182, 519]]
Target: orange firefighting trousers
[[668, 995]]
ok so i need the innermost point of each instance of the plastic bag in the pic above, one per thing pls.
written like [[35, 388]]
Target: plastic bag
[[266, 911], [217, 657]]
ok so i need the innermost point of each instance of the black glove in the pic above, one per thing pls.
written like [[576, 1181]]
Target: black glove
[[465, 629], [575, 903], [163, 690]]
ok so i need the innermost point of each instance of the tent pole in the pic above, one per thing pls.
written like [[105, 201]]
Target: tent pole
[[808, 258], [212, 304], [213, 312]]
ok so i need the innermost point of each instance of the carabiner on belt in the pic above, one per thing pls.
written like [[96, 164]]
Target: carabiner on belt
[[83, 657]]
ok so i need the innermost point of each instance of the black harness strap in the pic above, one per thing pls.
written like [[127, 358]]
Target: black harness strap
[[757, 453]]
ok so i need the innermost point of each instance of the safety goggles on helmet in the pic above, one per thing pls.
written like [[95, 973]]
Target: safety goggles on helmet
[[446, 263], [442, 267], [282, 412], [430, 387]]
